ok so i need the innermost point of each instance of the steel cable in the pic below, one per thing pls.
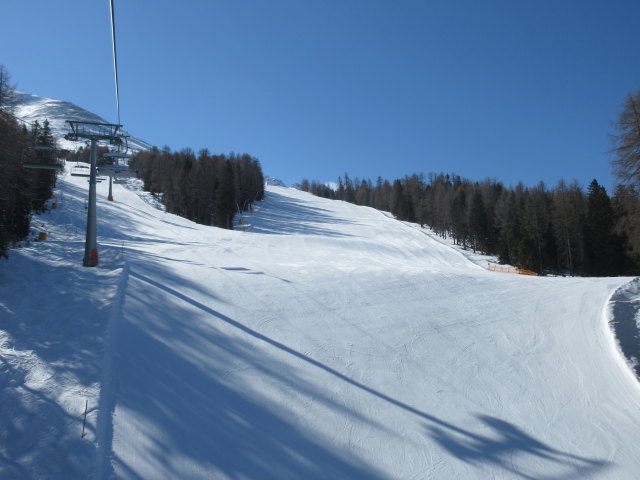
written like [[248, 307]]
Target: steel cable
[[115, 56]]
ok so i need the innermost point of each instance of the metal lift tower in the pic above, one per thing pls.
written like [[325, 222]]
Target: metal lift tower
[[95, 132], [112, 167]]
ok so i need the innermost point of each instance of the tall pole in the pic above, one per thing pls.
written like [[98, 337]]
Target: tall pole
[[110, 197], [91, 242], [95, 132]]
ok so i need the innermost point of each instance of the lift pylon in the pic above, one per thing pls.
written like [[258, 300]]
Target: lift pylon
[[94, 132], [115, 164]]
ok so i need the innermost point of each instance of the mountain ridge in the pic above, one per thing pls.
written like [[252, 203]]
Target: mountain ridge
[[31, 107]]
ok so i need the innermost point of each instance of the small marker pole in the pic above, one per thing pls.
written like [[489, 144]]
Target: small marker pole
[[86, 405]]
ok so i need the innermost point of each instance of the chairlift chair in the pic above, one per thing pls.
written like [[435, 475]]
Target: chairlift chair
[[44, 162], [80, 171], [113, 163]]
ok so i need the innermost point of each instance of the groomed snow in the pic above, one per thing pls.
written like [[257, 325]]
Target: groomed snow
[[327, 341]]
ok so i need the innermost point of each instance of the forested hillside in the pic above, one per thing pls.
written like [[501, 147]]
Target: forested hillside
[[208, 189], [22, 191], [563, 229]]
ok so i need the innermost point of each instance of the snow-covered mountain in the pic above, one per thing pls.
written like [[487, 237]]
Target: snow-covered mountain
[[32, 107], [274, 182], [321, 340]]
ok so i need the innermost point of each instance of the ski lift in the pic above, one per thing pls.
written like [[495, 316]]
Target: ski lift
[[48, 160], [117, 171], [80, 171], [116, 162]]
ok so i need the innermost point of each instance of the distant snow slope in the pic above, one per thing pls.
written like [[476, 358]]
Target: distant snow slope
[[328, 341], [276, 182], [34, 107]]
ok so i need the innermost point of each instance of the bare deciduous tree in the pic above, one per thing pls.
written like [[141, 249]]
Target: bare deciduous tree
[[626, 166], [7, 96]]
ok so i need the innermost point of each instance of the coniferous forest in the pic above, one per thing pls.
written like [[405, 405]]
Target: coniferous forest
[[208, 189], [563, 229], [558, 230], [22, 191]]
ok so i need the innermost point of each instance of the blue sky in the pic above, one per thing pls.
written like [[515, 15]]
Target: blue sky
[[510, 89]]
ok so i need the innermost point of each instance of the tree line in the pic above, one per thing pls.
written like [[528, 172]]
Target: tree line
[[208, 189], [563, 229], [22, 191]]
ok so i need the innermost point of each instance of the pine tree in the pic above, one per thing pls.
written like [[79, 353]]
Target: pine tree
[[225, 202], [605, 248], [398, 206], [15, 207], [478, 222], [459, 215], [537, 227], [42, 182]]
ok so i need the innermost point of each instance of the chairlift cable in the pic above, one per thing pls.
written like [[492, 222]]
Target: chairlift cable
[[115, 56]]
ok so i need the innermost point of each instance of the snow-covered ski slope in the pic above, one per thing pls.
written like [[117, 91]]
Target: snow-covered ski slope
[[329, 341]]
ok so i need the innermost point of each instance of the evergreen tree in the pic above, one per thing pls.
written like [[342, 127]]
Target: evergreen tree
[[348, 194], [605, 249], [225, 201], [42, 182], [15, 204], [537, 226], [459, 215], [534, 228], [398, 206], [478, 222], [204, 189], [509, 229]]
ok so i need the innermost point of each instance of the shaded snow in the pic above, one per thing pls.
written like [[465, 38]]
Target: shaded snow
[[625, 313], [326, 341]]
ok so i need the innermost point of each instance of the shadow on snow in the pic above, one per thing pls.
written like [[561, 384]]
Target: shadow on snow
[[503, 443], [200, 411], [175, 375], [625, 305], [293, 216]]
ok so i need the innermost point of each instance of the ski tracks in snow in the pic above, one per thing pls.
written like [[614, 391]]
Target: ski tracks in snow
[[109, 387]]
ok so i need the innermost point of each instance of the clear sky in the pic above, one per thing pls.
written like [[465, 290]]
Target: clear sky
[[511, 89]]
